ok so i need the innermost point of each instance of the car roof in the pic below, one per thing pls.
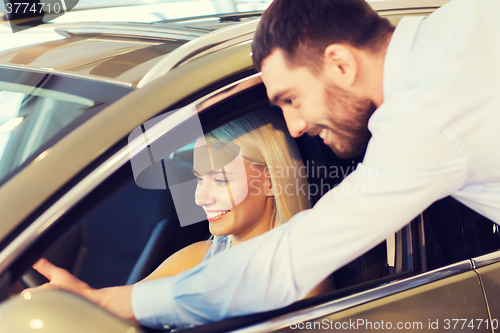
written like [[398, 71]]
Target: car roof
[[120, 53]]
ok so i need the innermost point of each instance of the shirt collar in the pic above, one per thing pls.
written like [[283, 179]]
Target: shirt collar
[[398, 54]]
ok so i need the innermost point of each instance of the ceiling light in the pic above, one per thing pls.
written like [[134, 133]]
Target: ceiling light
[[11, 124]]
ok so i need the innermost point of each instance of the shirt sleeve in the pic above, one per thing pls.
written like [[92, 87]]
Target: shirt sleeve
[[409, 165]]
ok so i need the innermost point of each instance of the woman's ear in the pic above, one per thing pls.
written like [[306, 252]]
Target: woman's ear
[[268, 185]]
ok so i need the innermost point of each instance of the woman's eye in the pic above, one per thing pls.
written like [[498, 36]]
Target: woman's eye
[[220, 181], [289, 101], [199, 180]]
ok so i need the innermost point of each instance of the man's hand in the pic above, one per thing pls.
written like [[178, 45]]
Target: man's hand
[[114, 299]]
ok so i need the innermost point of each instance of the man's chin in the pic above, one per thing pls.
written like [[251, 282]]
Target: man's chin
[[344, 154], [347, 153]]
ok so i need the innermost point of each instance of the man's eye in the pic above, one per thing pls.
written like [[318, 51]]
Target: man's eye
[[289, 101], [199, 180]]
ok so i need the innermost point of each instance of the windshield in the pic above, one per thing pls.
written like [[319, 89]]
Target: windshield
[[30, 116], [40, 109]]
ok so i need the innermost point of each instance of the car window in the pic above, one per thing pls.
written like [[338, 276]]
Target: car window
[[454, 232], [38, 109], [482, 235], [444, 240], [123, 234], [31, 116]]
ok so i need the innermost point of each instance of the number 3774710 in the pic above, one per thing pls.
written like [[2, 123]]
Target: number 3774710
[[35, 7], [454, 324]]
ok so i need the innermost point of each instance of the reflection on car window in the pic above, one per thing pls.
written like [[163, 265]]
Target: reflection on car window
[[29, 117], [39, 109], [481, 234]]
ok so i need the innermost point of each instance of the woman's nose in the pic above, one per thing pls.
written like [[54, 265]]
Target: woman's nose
[[203, 195]]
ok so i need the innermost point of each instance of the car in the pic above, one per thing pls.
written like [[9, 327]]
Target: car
[[71, 189]]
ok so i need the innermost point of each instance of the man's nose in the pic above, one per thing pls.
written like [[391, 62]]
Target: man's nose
[[296, 125], [203, 195]]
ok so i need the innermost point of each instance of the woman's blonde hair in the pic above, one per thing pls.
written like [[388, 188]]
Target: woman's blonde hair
[[263, 139]]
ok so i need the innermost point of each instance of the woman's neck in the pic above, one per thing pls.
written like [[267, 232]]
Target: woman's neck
[[260, 227]]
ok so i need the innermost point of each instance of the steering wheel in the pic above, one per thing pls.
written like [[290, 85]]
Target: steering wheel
[[32, 278]]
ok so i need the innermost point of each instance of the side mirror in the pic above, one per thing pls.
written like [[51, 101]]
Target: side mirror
[[58, 311]]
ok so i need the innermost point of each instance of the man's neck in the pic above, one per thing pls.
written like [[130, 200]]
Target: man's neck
[[373, 66]]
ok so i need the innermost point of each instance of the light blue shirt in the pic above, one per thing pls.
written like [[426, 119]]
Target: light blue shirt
[[436, 134]]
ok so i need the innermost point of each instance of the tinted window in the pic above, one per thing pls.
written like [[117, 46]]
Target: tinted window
[[481, 234], [444, 239]]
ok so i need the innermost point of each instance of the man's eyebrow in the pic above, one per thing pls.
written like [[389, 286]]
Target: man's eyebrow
[[278, 96]]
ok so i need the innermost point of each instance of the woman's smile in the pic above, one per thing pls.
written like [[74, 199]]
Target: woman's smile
[[216, 214]]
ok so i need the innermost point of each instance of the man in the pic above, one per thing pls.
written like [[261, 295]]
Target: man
[[435, 84]]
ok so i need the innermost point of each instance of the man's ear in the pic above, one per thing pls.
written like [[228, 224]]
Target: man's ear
[[341, 65], [268, 185]]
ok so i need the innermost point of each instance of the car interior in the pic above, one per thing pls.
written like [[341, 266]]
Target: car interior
[[120, 232]]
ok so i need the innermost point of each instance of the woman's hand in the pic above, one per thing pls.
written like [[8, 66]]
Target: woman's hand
[[61, 279], [114, 299]]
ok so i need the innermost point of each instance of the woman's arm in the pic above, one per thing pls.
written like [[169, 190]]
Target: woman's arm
[[181, 260], [117, 299]]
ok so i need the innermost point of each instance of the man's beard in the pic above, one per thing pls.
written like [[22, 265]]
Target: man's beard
[[349, 115]]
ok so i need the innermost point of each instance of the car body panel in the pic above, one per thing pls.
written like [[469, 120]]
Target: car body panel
[[384, 294], [459, 296], [58, 311], [392, 5], [490, 279], [113, 59]]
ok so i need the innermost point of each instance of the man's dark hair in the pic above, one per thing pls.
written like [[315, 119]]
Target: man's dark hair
[[303, 29]]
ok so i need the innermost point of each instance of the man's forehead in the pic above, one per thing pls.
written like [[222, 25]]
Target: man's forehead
[[273, 64], [275, 74], [280, 78]]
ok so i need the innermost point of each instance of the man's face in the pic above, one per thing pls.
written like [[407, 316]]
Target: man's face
[[312, 104]]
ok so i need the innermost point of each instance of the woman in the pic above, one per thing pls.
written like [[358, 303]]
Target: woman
[[271, 163], [242, 199]]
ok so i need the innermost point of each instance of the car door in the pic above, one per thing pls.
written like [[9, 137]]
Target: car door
[[483, 240], [488, 267], [441, 290]]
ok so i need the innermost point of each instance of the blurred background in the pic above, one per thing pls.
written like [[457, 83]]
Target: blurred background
[[169, 9]]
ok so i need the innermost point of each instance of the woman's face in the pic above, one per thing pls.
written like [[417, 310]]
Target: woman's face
[[236, 198]]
